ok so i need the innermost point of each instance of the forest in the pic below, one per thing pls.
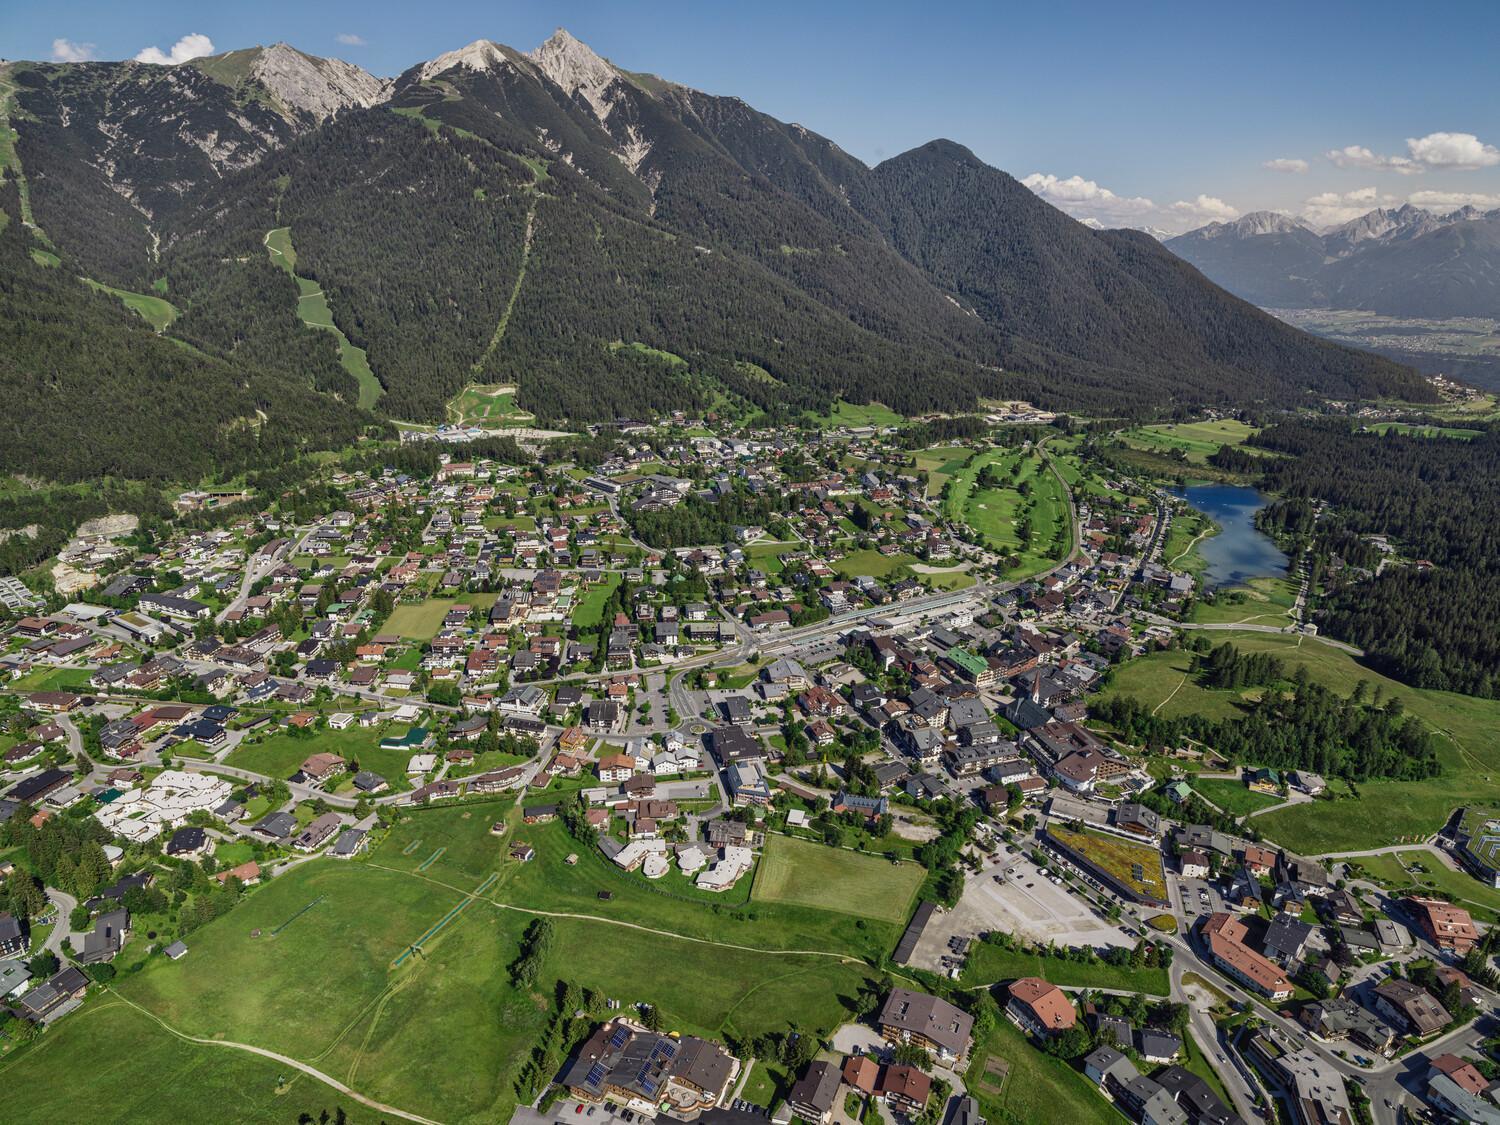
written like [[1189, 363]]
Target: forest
[[1306, 726], [1431, 616]]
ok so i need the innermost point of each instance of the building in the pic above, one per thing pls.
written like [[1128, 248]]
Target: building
[[316, 834], [1447, 926], [1410, 1007], [1039, 1006], [915, 1017], [106, 939], [626, 1064], [13, 941], [814, 1095], [1225, 937], [1342, 1018]]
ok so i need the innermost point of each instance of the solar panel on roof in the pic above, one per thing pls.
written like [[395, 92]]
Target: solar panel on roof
[[618, 1038], [595, 1075]]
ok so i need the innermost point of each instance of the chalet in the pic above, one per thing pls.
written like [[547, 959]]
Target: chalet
[[1039, 1007], [927, 1021]]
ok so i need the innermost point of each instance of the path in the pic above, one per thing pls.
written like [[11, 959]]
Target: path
[[286, 1060], [1174, 691], [840, 957], [510, 304]]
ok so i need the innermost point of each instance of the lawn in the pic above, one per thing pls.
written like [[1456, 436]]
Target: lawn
[[1118, 857], [281, 754], [492, 404], [420, 622], [801, 872], [1036, 1086], [1198, 440], [853, 415], [1187, 530], [110, 1062], [1233, 796], [1384, 812], [589, 611], [989, 964], [871, 563]]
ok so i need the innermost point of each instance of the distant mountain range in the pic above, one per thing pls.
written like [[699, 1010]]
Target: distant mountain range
[[1404, 262], [612, 242]]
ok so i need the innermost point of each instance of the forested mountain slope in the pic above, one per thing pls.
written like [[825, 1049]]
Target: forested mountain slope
[[549, 219]]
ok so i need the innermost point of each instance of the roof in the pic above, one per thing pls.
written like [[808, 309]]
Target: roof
[[818, 1088], [1226, 940], [1048, 1004]]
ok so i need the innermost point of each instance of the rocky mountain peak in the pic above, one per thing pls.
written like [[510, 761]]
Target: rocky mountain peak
[[482, 55], [575, 67], [317, 86]]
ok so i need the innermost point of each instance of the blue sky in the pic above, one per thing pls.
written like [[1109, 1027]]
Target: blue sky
[[1155, 114]]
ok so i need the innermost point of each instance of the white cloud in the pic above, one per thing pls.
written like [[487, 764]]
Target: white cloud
[[188, 47], [1085, 199], [65, 50], [1358, 156], [349, 39], [1204, 209], [1452, 150], [1330, 208], [1451, 200], [1286, 164]]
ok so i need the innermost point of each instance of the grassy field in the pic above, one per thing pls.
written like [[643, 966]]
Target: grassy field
[[851, 414], [589, 611], [492, 404], [155, 311], [139, 1072], [940, 462], [312, 307], [1418, 871], [1384, 812], [1263, 601], [997, 513], [1118, 857], [1461, 432], [1036, 1086], [444, 1033], [808, 874], [282, 754], [989, 964], [420, 622], [872, 563], [1232, 796], [1197, 440], [1187, 530]]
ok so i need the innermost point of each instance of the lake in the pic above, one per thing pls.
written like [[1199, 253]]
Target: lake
[[1240, 551]]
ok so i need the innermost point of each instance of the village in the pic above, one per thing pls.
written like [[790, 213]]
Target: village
[[845, 668]]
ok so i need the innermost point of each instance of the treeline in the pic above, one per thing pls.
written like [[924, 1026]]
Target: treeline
[[1227, 667], [1308, 727], [1437, 500], [63, 853]]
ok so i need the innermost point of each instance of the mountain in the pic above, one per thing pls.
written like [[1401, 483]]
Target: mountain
[[110, 150], [1401, 262], [612, 242]]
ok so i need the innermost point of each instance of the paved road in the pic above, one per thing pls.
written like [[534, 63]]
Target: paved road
[[65, 904]]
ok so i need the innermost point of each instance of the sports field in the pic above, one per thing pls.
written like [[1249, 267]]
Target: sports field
[[809, 874]]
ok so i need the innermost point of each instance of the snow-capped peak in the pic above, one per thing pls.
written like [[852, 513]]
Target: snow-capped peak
[[481, 55], [577, 69]]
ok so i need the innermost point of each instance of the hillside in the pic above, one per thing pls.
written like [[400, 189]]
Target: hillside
[[552, 220]]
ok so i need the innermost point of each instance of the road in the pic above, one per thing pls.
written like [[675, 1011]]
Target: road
[[65, 904]]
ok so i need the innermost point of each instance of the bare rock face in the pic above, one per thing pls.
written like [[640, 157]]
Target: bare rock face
[[319, 87], [482, 55], [577, 69]]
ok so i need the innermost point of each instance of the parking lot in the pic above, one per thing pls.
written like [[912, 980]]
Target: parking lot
[[1198, 897], [1022, 902]]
